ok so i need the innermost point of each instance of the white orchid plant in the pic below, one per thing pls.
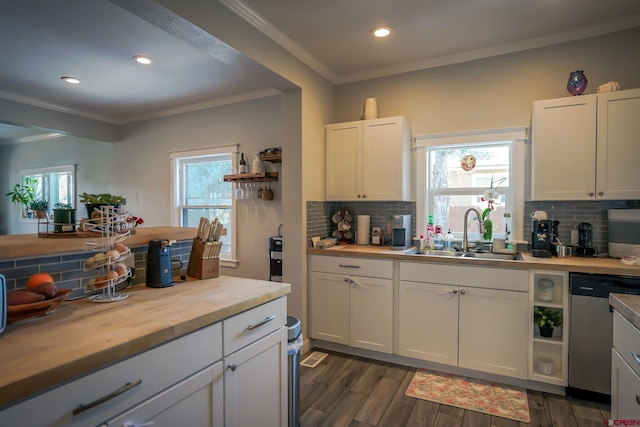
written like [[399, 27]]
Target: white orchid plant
[[490, 196]]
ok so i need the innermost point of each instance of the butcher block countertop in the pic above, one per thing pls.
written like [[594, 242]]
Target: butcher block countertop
[[31, 245], [81, 336], [628, 306], [593, 265]]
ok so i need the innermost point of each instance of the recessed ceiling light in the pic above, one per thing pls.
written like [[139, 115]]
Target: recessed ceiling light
[[141, 59], [71, 80], [381, 32]]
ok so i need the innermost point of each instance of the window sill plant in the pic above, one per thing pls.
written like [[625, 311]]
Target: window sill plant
[[24, 194], [39, 207], [547, 319]]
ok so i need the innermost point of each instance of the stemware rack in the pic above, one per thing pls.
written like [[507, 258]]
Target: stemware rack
[[109, 260]]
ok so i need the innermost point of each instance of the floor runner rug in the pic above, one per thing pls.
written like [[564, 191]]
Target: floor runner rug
[[475, 395]]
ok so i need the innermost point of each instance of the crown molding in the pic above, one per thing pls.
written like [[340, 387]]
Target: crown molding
[[285, 42]]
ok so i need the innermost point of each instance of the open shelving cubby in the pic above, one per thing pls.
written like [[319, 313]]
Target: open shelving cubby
[[549, 289]]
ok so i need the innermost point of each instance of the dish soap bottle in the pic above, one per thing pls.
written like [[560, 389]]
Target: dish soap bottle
[[438, 240], [448, 242], [431, 232]]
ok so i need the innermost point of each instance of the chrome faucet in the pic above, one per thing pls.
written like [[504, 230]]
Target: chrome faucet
[[465, 234]]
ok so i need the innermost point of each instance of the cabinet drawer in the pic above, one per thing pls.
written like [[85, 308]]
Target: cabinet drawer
[[355, 266], [157, 369], [245, 328], [482, 277], [626, 339]]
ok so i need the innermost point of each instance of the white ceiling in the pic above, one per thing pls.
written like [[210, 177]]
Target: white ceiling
[[94, 40]]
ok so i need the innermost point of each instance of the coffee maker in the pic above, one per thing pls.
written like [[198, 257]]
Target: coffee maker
[[159, 264], [585, 240], [541, 238], [400, 230]]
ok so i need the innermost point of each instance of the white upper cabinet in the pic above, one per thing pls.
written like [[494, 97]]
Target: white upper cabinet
[[369, 160], [585, 147]]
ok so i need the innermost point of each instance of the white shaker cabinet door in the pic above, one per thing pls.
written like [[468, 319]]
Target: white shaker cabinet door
[[618, 175], [386, 159], [625, 390], [329, 307], [344, 161], [195, 402], [371, 314], [563, 150], [255, 383], [493, 325], [428, 315]]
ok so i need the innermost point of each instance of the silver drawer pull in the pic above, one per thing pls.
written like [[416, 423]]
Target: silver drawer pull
[[637, 399], [128, 386], [635, 356], [348, 266], [233, 367], [265, 321]]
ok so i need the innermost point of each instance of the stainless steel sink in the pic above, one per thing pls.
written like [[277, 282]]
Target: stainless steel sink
[[478, 255]]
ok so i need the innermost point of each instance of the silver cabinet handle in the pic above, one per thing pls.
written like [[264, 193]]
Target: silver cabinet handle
[[635, 356], [601, 193], [264, 322], [637, 399], [348, 266], [591, 194], [233, 367], [463, 291], [455, 291], [128, 386]]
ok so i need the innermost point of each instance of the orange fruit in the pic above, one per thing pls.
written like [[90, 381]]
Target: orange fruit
[[38, 279]]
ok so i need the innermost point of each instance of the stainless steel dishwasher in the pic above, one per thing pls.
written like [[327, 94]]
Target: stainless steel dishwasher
[[591, 332]]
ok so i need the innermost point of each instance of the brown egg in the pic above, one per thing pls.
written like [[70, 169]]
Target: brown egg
[[121, 269], [90, 262], [112, 275], [120, 248], [113, 255], [101, 282]]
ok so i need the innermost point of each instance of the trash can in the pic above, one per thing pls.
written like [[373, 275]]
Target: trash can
[[294, 328]]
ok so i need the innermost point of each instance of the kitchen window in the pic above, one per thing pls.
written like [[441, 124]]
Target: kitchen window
[[454, 170], [54, 184], [200, 191]]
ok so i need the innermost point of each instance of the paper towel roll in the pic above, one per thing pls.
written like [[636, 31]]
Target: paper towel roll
[[364, 229]]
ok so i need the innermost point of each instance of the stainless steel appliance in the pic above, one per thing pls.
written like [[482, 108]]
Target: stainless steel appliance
[[3, 303], [624, 231], [541, 238], [400, 229], [275, 259], [591, 332], [159, 264]]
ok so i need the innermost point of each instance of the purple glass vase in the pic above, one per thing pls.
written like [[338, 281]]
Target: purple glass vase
[[577, 82]]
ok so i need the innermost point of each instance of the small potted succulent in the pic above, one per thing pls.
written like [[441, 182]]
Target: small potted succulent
[[547, 319], [39, 207], [64, 218]]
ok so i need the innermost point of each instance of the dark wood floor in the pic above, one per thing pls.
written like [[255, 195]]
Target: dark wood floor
[[346, 390]]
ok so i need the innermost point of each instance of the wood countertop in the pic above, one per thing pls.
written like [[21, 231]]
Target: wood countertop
[[573, 264], [81, 337], [31, 245]]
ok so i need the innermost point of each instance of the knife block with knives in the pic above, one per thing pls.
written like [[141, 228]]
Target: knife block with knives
[[204, 261]]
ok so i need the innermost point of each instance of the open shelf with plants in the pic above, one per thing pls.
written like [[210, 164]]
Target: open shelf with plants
[[549, 323]]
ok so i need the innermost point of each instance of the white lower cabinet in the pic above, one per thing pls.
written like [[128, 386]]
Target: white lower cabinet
[[190, 381], [255, 367], [475, 318], [195, 402], [625, 370]]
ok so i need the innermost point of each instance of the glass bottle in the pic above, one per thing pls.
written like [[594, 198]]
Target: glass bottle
[[448, 242], [242, 165], [438, 240]]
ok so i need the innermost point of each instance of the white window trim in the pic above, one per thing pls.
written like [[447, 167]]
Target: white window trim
[[44, 171], [519, 135], [175, 197]]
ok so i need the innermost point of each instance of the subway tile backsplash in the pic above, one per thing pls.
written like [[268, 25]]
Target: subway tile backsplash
[[569, 213], [68, 270]]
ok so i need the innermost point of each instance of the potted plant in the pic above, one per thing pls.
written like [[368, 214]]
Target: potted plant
[[547, 319], [64, 218], [39, 206], [93, 201], [24, 194]]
